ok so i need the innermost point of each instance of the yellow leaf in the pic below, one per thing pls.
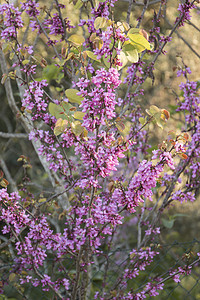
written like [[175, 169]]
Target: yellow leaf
[[76, 128], [72, 96], [12, 277], [76, 39], [142, 120], [79, 115], [123, 59], [126, 26], [60, 126], [133, 31], [25, 62], [119, 124], [139, 42], [132, 55], [79, 4], [153, 110], [4, 183], [69, 56], [100, 22], [42, 200], [92, 55]]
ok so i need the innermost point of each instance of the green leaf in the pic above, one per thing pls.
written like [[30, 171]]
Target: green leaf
[[100, 22], [131, 53], [159, 122], [180, 215], [133, 31], [139, 42], [61, 111], [123, 59], [168, 223], [60, 126], [120, 124], [42, 200], [78, 4], [156, 113], [25, 62], [142, 121], [76, 39], [92, 55], [56, 111], [76, 128], [153, 110], [12, 277], [79, 115], [50, 72], [106, 62], [124, 128], [71, 94]]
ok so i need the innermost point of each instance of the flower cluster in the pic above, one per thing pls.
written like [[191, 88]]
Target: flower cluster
[[99, 99], [33, 97], [107, 37], [139, 260], [184, 9], [142, 183], [31, 8], [189, 104], [12, 21], [55, 26], [183, 196], [32, 252]]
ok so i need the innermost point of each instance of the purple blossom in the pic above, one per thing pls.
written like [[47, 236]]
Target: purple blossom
[[12, 21]]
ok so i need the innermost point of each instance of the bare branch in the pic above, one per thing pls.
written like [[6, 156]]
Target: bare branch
[[129, 11], [192, 24], [9, 135], [180, 36], [143, 12]]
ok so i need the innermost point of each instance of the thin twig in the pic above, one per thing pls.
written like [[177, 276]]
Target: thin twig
[[192, 24], [49, 284], [129, 11], [7, 174], [143, 12], [182, 38]]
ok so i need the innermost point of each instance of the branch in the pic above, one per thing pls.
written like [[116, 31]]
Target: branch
[[180, 36], [129, 11], [146, 4], [44, 31], [192, 24], [26, 122], [8, 135], [8, 175], [188, 44], [49, 284], [142, 3]]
